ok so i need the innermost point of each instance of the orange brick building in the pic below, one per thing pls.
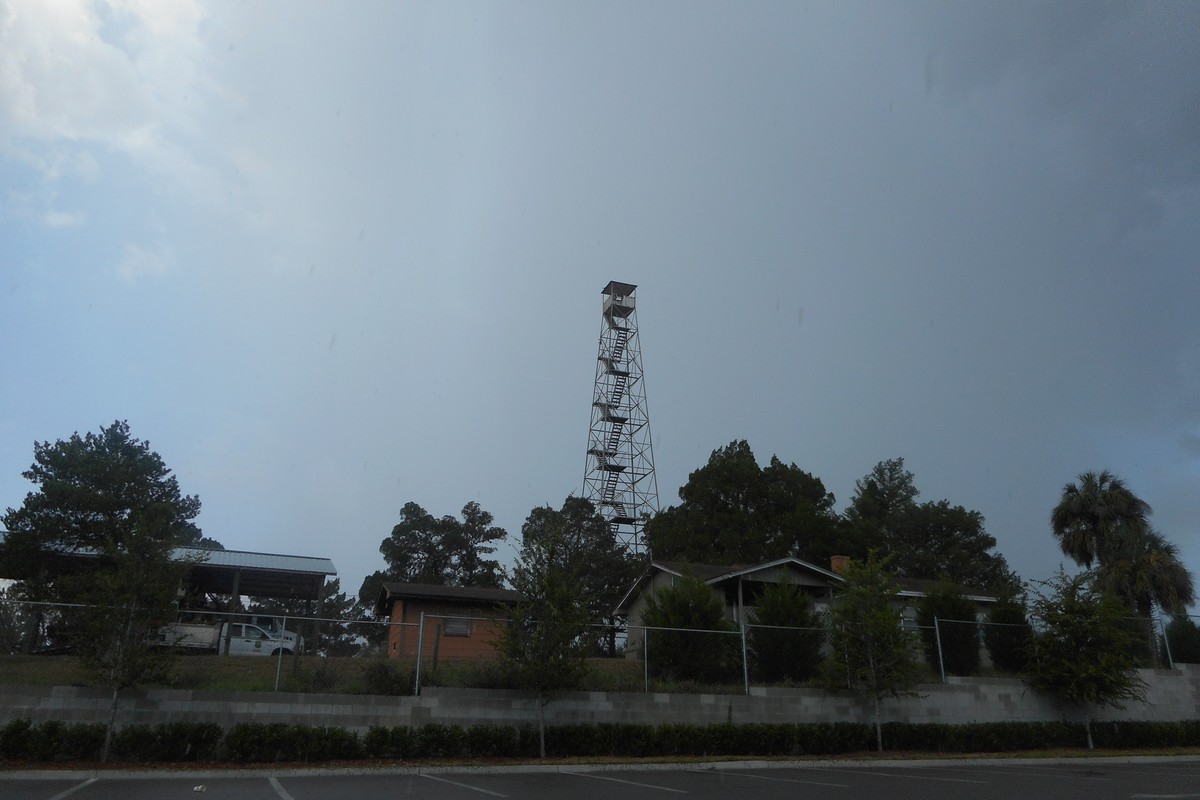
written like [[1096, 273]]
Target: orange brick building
[[449, 622]]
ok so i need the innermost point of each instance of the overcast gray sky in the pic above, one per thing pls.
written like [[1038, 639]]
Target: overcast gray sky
[[332, 257]]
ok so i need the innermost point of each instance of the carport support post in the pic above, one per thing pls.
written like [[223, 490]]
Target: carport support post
[[420, 646], [234, 594], [937, 635]]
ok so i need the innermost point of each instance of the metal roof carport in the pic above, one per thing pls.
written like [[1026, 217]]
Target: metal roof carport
[[266, 575]]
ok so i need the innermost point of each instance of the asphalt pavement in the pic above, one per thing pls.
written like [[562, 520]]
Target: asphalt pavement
[[1134, 778]]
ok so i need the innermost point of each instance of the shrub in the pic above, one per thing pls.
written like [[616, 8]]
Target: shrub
[[786, 636], [688, 636], [1007, 638], [380, 676], [188, 741], [1183, 637], [15, 740], [956, 629]]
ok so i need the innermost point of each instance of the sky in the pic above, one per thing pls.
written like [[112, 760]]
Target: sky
[[330, 258]]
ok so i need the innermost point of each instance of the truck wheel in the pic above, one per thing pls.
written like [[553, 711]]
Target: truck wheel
[[275, 652]]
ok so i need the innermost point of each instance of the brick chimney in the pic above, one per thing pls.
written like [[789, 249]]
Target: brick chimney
[[838, 563]]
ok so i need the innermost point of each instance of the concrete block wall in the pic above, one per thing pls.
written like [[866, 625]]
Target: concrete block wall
[[1171, 695]]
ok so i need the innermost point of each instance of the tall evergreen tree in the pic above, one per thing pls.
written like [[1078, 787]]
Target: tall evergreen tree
[[101, 530], [931, 541], [445, 551], [733, 511]]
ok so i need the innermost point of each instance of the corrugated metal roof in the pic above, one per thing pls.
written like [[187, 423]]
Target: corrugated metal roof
[[261, 561], [424, 591]]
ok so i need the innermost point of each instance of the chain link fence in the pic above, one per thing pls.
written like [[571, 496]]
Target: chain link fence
[[313, 653]]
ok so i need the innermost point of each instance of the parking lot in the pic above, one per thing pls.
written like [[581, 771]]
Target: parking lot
[[1095, 779]]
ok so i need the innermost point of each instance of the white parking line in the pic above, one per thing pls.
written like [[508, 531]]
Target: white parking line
[[279, 790], [73, 789], [1013, 771], [768, 778], [901, 774], [463, 785], [630, 783]]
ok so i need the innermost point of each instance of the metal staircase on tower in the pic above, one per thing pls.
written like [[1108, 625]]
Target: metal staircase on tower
[[619, 475]]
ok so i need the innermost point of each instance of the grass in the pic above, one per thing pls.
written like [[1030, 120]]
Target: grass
[[336, 675], [205, 672]]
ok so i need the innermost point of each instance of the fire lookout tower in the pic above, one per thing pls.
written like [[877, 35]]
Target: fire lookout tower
[[619, 475]]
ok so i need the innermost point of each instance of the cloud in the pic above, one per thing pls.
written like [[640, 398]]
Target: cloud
[[116, 73], [141, 262], [63, 219]]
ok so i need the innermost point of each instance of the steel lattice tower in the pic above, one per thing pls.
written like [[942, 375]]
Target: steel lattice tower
[[619, 476]]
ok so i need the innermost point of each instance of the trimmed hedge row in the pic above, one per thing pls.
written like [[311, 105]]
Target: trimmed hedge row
[[20, 740], [263, 743]]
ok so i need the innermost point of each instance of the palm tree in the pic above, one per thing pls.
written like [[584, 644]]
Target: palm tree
[[1143, 569], [1087, 518]]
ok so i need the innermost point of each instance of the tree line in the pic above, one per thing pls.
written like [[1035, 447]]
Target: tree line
[[108, 497]]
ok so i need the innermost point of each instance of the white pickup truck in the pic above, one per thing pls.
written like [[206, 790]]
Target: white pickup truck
[[244, 639]]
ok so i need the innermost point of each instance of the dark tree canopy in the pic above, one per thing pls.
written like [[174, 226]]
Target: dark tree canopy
[[101, 530], [733, 511], [588, 548], [931, 540], [106, 494], [445, 551], [1090, 513], [1100, 521]]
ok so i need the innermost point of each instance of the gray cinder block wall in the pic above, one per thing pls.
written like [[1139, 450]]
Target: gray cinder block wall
[[1171, 695]]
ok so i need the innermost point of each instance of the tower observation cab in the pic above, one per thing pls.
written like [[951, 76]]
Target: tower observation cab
[[619, 473]]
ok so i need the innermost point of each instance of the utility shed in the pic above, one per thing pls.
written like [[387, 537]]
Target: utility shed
[[259, 575], [453, 622]]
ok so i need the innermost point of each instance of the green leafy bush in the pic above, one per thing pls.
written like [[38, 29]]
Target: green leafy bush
[[1007, 637], [174, 741], [381, 676], [1183, 637], [688, 637], [785, 637], [21, 740], [947, 617]]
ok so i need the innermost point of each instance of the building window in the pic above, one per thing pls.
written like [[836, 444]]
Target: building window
[[457, 627]]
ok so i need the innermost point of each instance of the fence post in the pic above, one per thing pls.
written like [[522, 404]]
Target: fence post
[[745, 660], [1167, 646], [420, 646], [279, 660], [937, 633], [646, 657]]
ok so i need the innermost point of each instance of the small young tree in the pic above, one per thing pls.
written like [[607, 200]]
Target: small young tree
[[869, 649], [785, 635], [1007, 635], [688, 635], [1081, 650], [543, 646], [948, 619]]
